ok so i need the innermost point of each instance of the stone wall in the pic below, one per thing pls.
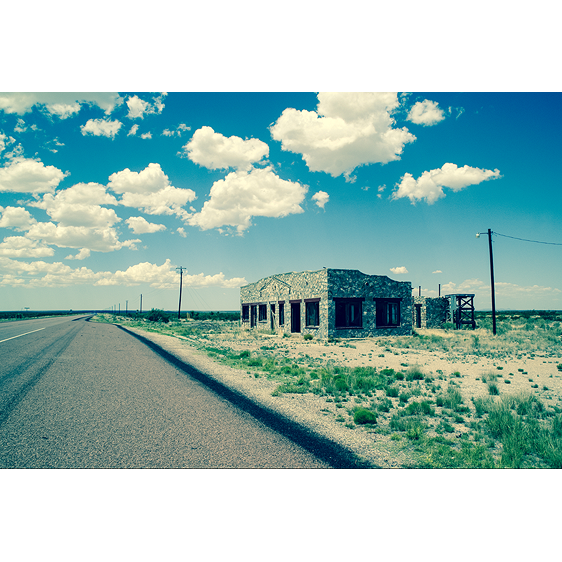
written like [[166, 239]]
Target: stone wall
[[324, 286], [434, 311]]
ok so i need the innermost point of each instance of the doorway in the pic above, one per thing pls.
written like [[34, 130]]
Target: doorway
[[295, 317]]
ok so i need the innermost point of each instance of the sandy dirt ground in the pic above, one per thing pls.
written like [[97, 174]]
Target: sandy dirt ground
[[325, 416]]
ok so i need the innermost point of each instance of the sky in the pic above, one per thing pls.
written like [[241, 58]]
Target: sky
[[103, 196]]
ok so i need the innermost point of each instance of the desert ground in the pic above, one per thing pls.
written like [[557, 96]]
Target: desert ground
[[437, 399]]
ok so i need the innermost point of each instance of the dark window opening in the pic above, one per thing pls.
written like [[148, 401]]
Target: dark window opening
[[349, 313], [312, 314], [281, 314], [245, 313], [253, 316], [263, 313], [295, 317], [272, 316], [388, 313]]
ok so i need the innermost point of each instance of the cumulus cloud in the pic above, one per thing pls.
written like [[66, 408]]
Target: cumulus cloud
[[61, 104], [25, 175], [426, 113], [181, 128], [347, 130], [43, 274], [80, 205], [16, 217], [215, 151], [81, 255], [399, 270], [101, 128], [138, 107], [22, 247], [133, 130], [140, 225], [429, 185], [437, 271], [98, 239], [321, 198], [151, 191], [242, 195]]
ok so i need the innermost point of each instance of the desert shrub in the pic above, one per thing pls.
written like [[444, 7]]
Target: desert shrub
[[419, 408], [308, 337], [156, 315], [480, 405], [290, 388], [493, 389], [363, 416], [392, 391], [414, 374], [451, 399], [385, 405]]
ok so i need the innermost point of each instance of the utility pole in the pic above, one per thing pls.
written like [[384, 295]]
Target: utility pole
[[181, 277], [493, 287], [492, 279], [141, 304], [127, 307]]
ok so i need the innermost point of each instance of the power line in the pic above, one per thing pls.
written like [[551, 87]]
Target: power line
[[525, 239]]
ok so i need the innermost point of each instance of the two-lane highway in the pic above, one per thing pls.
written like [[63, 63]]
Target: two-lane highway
[[78, 394]]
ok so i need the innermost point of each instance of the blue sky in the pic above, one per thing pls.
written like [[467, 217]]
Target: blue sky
[[103, 195]]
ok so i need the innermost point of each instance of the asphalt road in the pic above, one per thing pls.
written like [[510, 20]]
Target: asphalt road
[[78, 394]]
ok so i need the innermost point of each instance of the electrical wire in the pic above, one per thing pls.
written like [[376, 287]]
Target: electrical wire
[[525, 240]]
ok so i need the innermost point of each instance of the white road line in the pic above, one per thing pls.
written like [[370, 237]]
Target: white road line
[[14, 337]]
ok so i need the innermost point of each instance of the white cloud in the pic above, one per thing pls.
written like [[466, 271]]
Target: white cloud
[[399, 270], [43, 274], [429, 185], [321, 198], [133, 130], [22, 247], [437, 271], [346, 131], [62, 104], [146, 135], [81, 255], [140, 225], [16, 217], [138, 108], [101, 128], [426, 113], [244, 194], [98, 239], [21, 127], [181, 232], [151, 191], [24, 175], [215, 151], [182, 128], [79, 205]]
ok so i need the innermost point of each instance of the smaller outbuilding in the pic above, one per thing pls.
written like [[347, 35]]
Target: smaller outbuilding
[[329, 303]]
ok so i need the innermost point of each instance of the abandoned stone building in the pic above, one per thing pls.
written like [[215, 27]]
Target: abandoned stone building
[[339, 303], [456, 309]]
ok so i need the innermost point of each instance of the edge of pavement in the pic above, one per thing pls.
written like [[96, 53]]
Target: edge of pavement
[[291, 418]]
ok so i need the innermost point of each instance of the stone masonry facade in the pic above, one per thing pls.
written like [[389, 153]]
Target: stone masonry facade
[[329, 303], [430, 312]]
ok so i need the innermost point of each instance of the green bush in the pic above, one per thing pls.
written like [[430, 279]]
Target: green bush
[[363, 416], [308, 337], [156, 315]]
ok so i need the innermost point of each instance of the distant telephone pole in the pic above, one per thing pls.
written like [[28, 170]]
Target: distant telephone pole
[[141, 304], [181, 277]]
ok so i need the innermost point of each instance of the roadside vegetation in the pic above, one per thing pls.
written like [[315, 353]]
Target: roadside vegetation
[[428, 416]]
